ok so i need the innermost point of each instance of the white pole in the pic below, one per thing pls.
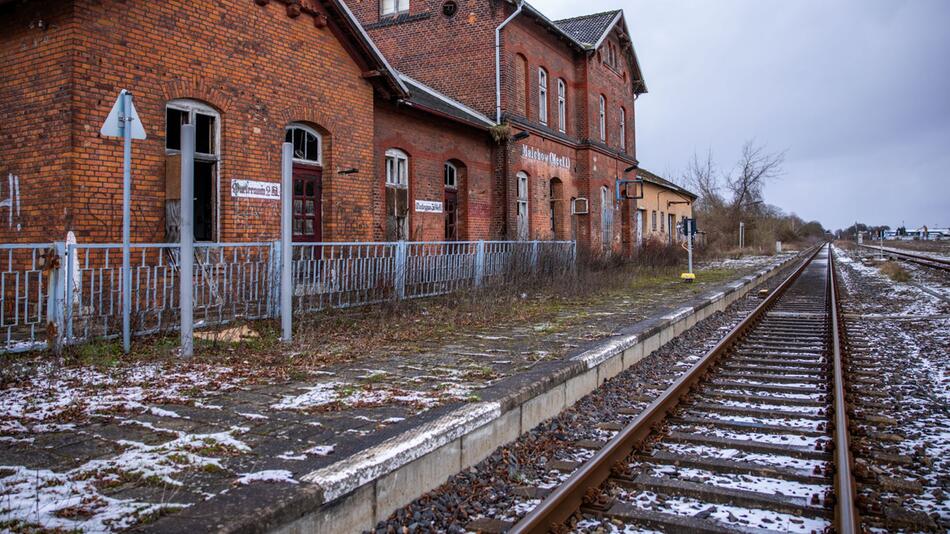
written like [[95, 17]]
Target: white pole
[[187, 239], [286, 251], [689, 242], [125, 122]]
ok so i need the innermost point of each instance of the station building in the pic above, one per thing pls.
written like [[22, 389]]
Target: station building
[[400, 127]]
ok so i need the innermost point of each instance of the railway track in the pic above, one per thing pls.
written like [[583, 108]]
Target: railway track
[[753, 437], [919, 259]]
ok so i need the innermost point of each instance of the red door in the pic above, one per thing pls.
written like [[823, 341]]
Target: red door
[[308, 186], [451, 215]]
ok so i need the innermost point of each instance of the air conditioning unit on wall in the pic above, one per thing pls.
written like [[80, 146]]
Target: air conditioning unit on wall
[[579, 206]]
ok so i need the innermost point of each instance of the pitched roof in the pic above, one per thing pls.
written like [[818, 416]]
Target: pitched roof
[[648, 176], [428, 99], [588, 29]]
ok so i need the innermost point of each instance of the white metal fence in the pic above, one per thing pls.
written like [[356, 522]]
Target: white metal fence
[[67, 293]]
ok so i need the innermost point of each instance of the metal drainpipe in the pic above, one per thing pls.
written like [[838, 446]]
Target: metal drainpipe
[[498, 60]]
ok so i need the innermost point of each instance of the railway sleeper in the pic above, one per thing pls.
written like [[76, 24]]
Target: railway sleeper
[[778, 369], [750, 427], [755, 412], [678, 524], [795, 451], [716, 494], [735, 466], [765, 399], [748, 361], [772, 379], [768, 387]]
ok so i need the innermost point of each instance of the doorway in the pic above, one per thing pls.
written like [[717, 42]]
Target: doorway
[[307, 208]]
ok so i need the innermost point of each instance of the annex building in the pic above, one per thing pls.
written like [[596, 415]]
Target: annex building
[[434, 120]]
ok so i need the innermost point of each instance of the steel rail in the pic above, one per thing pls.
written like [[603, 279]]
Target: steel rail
[[919, 259], [567, 498], [847, 520]]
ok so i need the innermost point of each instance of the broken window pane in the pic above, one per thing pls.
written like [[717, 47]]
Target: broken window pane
[[174, 118], [204, 134]]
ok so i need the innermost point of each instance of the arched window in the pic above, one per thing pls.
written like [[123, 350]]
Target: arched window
[[397, 195], [523, 223], [623, 129], [207, 122], [451, 208], [603, 119], [542, 95], [561, 105], [308, 143], [522, 84]]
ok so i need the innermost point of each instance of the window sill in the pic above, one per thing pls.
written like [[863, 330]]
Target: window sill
[[398, 18]]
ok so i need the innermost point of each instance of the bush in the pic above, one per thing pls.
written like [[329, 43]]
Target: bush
[[894, 271]]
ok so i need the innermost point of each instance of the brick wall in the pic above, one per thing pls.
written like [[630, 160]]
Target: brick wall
[[37, 42], [259, 68], [430, 142], [454, 55]]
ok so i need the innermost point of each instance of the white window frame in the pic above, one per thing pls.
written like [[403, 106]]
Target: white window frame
[[393, 7], [450, 169], [623, 129], [309, 131], [606, 216], [603, 118], [542, 95], [192, 107], [561, 105], [524, 217], [397, 168]]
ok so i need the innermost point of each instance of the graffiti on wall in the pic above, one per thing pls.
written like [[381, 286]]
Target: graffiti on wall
[[11, 199]]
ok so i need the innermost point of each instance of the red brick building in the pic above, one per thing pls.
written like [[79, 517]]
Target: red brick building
[[570, 85], [381, 153]]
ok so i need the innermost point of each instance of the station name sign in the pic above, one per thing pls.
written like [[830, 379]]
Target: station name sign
[[550, 158], [428, 206], [255, 189]]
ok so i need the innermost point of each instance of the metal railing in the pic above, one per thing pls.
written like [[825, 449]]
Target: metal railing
[[56, 293]]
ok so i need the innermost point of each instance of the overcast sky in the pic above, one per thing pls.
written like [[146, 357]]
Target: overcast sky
[[857, 92]]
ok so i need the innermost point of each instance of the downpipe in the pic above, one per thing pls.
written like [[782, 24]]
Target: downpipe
[[498, 60]]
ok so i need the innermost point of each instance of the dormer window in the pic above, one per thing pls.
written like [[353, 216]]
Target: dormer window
[[391, 8]]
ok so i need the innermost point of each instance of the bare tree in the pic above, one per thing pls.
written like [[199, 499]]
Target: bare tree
[[701, 175], [755, 168]]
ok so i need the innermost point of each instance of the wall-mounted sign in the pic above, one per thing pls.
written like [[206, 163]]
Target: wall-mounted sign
[[550, 158], [255, 189], [428, 206]]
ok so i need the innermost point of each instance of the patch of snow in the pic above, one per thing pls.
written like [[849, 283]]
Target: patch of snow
[[270, 475]]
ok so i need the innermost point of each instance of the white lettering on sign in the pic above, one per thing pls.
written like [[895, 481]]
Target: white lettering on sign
[[550, 158], [429, 206], [255, 189]]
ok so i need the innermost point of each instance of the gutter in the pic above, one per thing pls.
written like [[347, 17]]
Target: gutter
[[498, 60]]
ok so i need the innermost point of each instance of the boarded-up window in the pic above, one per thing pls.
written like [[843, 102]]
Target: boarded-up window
[[521, 86]]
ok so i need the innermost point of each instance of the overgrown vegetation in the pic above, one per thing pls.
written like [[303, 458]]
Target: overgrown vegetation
[[894, 271]]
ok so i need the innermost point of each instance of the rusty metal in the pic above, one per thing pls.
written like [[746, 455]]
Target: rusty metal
[[567, 498], [846, 513]]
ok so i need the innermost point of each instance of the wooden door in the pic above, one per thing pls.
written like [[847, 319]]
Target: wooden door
[[451, 215], [308, 212]]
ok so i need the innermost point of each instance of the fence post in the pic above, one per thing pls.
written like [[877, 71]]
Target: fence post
[[274, 293], [479, 263], [186, 278], [534, 255], [401, 262], [286, 253], [69, 291], [55, 302]]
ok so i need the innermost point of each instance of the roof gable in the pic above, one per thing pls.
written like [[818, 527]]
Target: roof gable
[[589, 29]]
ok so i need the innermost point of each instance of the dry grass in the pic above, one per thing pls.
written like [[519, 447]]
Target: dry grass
[[894, 271]]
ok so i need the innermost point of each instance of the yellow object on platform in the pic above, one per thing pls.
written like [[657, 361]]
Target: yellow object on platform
[[689, 277]]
